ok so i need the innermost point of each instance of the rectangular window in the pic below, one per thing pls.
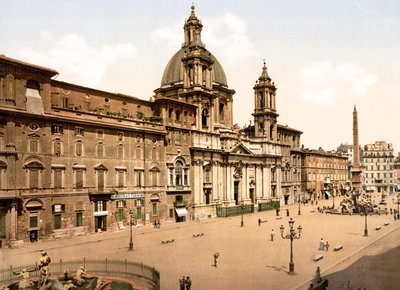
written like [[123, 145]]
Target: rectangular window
[[138, 153], [56, 129], [120, 214], [138, 213], [65, 103], [33, 221], [33, 146], [154, 177], [139, 202], [57, 148], [78, 131], [33, 178], [171, 213], [139, 177], [79, 219], [171, 176], [120, 136], [79, 178], [154, 208], [120, 151], [100, 150], [121, 178], [57, 221], [78, 148], [100, 205], [120, 203], [100, 180], [57, 178], [100, 134]]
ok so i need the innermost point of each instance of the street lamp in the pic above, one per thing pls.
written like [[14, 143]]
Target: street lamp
[[242, 207], [291, 235], [130, 233], [333, 195], [299, 206], [366, 226]]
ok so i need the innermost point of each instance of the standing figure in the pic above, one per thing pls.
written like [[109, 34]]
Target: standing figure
[[188, 283], [43, 266], [321, 244], [272, 235], [259, 222], [216, 256], [80, 275], [182, 283], [327, 246]]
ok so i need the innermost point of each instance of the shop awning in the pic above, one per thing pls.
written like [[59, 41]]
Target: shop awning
[[181, 211]]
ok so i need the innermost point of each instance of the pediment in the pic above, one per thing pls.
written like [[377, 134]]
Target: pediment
[[241, 149]]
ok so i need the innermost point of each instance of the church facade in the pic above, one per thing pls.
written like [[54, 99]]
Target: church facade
[[77, 160]]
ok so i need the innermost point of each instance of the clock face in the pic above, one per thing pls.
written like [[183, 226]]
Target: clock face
[[33, 126]]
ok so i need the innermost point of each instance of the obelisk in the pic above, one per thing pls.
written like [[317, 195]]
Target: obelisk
[[356, 183]]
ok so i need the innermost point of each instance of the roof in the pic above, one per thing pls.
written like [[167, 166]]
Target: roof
[[10, 60], [173, 72]]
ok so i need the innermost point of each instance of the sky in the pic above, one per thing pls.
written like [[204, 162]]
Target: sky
[[325, 57]]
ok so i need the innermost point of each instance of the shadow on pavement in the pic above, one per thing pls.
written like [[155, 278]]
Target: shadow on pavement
[[369, 272]]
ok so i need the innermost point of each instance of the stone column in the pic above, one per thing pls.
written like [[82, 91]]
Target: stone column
[[215, 181], [264, 182], [13, 222], [229, 181]]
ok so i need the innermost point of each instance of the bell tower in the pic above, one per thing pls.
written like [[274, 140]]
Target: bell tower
[[265, 116]]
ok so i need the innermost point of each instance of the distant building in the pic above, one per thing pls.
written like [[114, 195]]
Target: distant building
[[379, 167], [323, 173], [397, 172]]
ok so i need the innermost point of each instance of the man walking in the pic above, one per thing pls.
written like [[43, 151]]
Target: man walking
[[182, 283], [216, 256], [272, 235], [188, 283]]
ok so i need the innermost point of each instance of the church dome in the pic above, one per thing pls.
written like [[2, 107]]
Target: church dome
[[192, 47], [173, 73]]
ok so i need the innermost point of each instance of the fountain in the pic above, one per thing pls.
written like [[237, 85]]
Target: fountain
[[114, 274]]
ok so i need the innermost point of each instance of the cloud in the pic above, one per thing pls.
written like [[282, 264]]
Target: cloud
[[78, 61], [325, 82], [227, 36]]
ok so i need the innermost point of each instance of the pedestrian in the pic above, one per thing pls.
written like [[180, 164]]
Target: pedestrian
[[155, 224], [216, 256], [321, 244], [158, 224], [259, 222], [277, 211], [272, 235], [327, 246], [287, 212], [188, 283], [182, 283], [312, 202]]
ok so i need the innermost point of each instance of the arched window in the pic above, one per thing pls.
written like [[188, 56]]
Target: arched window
[[3, 168], [79, 148], [34, 168], [204, 118]]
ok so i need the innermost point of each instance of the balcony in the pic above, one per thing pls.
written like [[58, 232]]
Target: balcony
[[180, 203]]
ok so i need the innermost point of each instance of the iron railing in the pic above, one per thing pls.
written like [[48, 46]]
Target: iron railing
[[113, 268], [225, 211]]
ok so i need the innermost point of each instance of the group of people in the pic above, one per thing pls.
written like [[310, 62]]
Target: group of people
[[157, 224], [323, 246], [185, 282]]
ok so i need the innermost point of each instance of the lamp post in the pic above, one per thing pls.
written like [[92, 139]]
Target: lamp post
[[366, 226], [333, 195], [242, 207], [293, 234], [130, 233], [299, 206]]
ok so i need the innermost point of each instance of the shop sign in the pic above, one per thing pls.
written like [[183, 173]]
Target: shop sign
[[127, 195]]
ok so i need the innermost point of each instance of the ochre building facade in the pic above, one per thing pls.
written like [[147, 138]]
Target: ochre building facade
[[76, 160]]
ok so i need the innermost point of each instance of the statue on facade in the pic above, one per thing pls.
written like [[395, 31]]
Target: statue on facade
[[238, 173]]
